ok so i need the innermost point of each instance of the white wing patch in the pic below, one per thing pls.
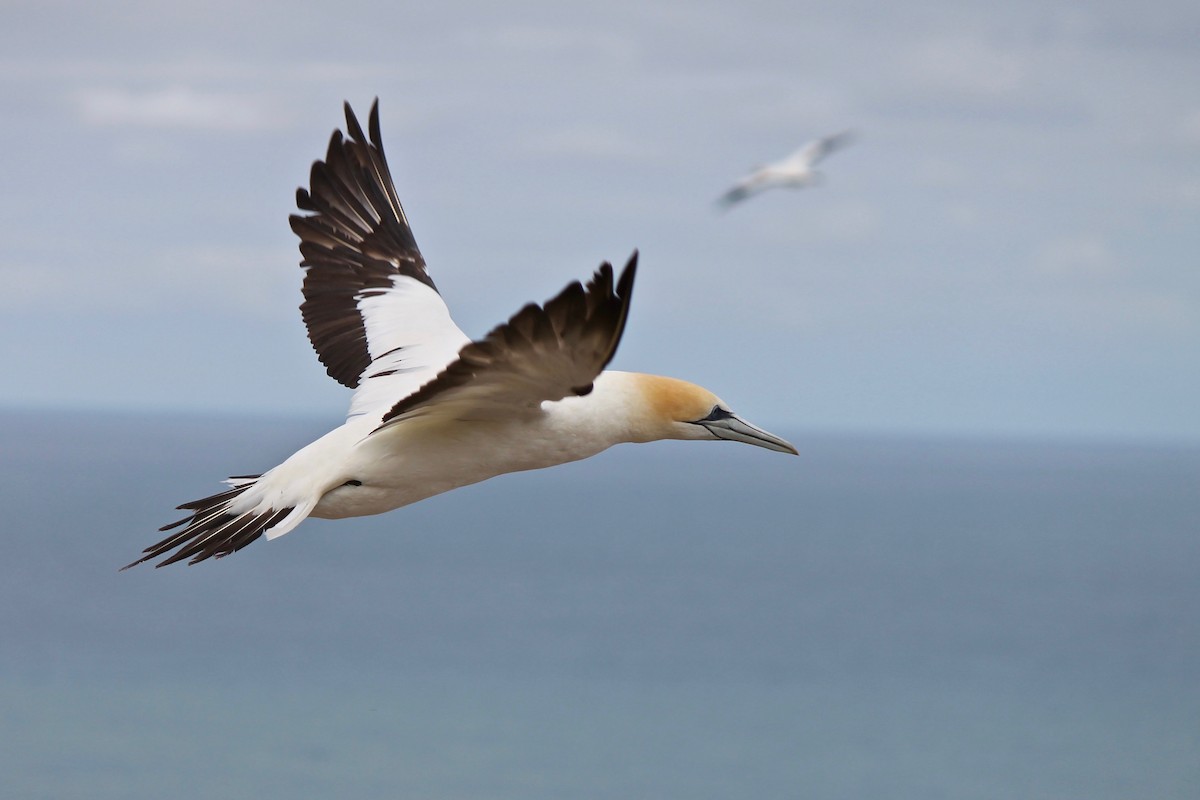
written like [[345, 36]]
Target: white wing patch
[[410, 337]]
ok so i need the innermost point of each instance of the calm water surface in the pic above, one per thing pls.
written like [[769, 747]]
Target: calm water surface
[[879, 618]]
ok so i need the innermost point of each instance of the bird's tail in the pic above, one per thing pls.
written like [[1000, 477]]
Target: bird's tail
[[224, 523]]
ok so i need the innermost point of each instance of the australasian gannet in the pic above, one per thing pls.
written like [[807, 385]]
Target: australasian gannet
[[433, 410], [794, 171]]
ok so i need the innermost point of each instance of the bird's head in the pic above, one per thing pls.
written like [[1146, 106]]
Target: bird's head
[[677, 409]]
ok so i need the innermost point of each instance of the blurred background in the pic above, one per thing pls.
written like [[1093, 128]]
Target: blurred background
[[1009, 247], [982, 331]]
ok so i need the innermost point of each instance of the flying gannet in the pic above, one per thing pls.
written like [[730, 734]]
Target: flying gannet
[[433, 410], [794, 171]]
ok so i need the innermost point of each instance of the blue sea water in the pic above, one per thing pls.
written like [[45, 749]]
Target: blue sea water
[[878, 618]]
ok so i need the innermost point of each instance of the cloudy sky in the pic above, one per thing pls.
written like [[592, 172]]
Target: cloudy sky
[[1011, 246]]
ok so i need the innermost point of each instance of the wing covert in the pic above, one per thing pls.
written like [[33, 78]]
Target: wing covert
[[543, 353], [367, 293]]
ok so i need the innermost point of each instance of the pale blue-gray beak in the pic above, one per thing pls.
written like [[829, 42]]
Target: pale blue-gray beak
[[736, 429]]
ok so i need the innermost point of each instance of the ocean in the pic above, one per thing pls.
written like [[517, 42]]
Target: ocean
[[882, 617]]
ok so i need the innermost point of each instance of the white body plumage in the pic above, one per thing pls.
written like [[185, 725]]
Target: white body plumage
[[433, 410]]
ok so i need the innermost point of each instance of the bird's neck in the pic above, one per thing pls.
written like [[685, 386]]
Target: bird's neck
[[624, 407]]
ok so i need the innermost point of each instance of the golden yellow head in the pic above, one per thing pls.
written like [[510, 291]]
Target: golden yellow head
[[678, 409]]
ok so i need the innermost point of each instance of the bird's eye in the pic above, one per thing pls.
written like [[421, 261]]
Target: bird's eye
[[717, 414]]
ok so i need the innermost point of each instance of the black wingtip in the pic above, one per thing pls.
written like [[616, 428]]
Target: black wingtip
[[373, 126], [625, 282], [353, 128]]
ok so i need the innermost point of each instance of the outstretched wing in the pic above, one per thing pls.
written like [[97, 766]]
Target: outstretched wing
[[817, 149], [751, 184], [543, 353], [373, 314]]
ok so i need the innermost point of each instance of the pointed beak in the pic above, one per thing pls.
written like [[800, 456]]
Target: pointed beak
[[736, 429]]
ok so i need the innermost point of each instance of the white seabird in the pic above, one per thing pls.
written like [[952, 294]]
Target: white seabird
[[433, 410], [795, 171]]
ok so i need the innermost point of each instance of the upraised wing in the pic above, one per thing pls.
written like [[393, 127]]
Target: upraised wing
[[374, 316], [543, 353], [751, 184], [817, 149]]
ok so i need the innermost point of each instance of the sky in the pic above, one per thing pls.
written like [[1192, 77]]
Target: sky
[[1010, 247]]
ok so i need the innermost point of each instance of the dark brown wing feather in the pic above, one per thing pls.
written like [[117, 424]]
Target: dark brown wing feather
[[542, 353], [211, 530], [354, 241]]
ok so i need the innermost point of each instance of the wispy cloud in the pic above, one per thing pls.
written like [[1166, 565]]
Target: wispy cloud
[[1079, 283], [968, 64], [543, 40], [1191, 127], [245, 280], [1075, 257], [175, 107], [591, 143]]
